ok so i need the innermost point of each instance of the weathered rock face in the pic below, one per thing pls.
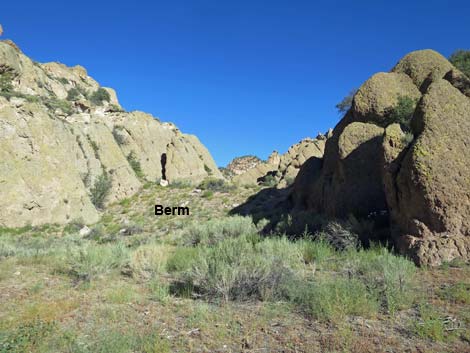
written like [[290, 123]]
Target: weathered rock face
[[421, 178], [240, 165], [282, 169], [57, 138]]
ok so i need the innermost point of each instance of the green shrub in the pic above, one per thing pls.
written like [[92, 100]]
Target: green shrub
[[241, 269], [215, 230], [316, 251], [90, 260], [159, 291], [63, 80], [332, 299], [391, 277], [403, 112], [6, 79], [408, 138], [181, 259], [207, 169], [457, 293], [99, 96], [55, 103], [73, 94], [461, 60], [346, 103], [179, 184], [101, 189], [149, 260], [207, 194], [429, 325], [212, 184], [269, 181], [135, 164]]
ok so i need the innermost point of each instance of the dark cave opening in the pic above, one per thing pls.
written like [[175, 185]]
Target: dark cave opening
[[163, 162]]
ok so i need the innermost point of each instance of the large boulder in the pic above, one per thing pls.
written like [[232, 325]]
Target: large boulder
[[433, 184], [379, 94], [420, 177]]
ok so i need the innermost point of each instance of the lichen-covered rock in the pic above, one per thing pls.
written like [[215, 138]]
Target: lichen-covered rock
[[56, 141], [433, 183], [379, 95], [350, 180], [421, 65], [421, 178]]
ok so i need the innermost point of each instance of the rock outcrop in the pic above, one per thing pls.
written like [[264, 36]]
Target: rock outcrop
[[61, 133], [281, 170], [416, 170], [240, 165]]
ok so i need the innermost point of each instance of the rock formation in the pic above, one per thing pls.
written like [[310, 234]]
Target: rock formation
[[240, 165], [281, 170], [420, 177], [61, 134]]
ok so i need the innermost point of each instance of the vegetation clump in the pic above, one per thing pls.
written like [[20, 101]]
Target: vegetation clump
[[99, 96], [346, 103], [461, 60], [101, 189], [73, 94], [135, 164], [403, 112], [213, 184]]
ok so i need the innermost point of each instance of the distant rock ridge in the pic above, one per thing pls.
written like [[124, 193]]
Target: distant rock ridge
[[412, 166], [281, 170], [60, 132]]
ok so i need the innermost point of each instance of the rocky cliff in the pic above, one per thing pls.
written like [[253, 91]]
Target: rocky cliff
[[402, 149], [64, 140]]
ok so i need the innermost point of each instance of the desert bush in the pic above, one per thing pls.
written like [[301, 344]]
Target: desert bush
[[241, 268], [300, 223], [346, 103], [159, 290], [56, 103], [458, 293], [391, 277], [135, 164], [73, 94], [216, 230], [99, 96], [403, 112], [213, 184], [429, 325], [407, 138], [181, 259], [6, 79], [334, 298], [149, 260], [316, 251], [339, 234], [101, 189], [461, 60], [269, 181], [179, 184], [92, 260]]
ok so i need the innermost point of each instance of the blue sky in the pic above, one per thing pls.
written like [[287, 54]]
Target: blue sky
[[246, 77]]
